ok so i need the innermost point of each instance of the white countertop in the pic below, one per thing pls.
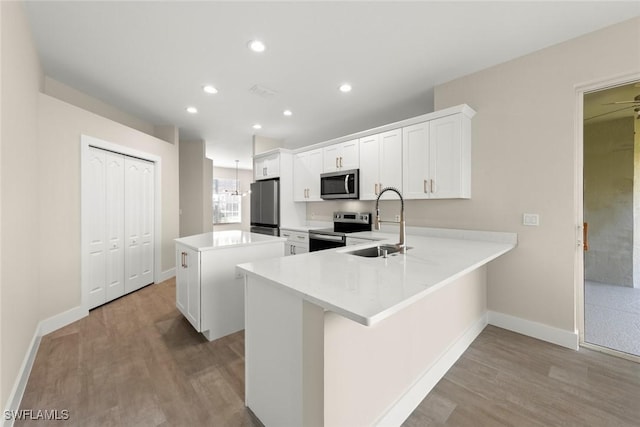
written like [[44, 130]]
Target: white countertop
[[367, 290], [223, 239], [305, 228]]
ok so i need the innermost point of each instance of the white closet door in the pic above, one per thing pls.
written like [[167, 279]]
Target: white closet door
[[114, 225], [96, 231], [138, 223]]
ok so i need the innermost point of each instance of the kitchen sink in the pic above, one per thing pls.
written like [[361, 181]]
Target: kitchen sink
[[375, 251]]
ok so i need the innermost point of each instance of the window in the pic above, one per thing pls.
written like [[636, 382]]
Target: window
[[227, 205]]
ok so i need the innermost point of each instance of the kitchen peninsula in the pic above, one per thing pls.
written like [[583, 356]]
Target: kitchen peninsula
[[335, 339], [209, 292]]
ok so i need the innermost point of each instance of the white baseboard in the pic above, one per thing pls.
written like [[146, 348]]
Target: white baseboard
[[166, 275], [403, 408], [537, 330], [44, 327], [61, 320], [13, 403]]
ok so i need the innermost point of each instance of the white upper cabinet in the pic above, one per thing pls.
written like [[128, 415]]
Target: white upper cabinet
[[437, 158], [380, 164], [266, 166], [342, 156], [307, 167]]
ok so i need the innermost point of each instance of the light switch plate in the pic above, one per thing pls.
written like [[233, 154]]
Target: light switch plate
[[531, 219]]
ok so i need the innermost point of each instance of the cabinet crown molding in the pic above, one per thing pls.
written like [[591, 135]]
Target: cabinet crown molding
[[457, 109]]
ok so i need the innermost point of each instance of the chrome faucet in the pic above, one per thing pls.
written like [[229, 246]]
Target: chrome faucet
[[401, 245]]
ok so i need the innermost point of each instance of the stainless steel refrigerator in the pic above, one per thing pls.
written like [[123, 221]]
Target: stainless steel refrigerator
[[265, 207]]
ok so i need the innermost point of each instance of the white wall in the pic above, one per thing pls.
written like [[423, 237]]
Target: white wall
[[196, 170], [262, 144], [58, 169], [68, 94], [524, 160], [21, 80], [246, 178], [608, 201]]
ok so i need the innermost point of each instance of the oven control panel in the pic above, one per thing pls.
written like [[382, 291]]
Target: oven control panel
[[352, 217]]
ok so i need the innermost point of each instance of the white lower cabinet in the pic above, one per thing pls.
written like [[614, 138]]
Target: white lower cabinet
[[297, 241], [209, 289], [188, 284]]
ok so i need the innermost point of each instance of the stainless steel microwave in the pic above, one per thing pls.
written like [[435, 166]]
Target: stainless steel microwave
[[340, 185]]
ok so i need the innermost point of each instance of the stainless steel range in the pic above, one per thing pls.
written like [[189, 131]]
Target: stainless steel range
[[343, 224]]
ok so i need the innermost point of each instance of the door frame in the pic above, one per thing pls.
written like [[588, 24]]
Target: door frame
[[87, 141], [580, 91]]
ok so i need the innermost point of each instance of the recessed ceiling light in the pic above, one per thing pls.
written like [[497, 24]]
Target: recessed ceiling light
[[345, 87], [209, 89], [257, 46], [287, 112], [257, 126], [192, 110]]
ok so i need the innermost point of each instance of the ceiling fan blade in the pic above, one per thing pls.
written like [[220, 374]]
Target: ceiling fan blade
[[609, 112], [622, 102]]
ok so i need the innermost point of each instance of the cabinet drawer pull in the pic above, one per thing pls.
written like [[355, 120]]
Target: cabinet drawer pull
[[375, 191], [433, 186], [424, 186], [337, 163], [340, 161]]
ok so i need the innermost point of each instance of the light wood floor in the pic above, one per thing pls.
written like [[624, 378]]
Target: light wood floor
[[138, 362]]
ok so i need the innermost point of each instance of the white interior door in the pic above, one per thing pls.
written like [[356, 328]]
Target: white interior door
[[96, 231], [114, 225], [138, 223]]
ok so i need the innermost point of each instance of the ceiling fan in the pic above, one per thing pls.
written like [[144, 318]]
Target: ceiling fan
[[635, 104], [236, 192]]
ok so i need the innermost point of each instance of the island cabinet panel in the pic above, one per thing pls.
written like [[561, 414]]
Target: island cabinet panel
[[188, 297], [437, 159], [380, 164], [307, 167], [209, 289], [307, 366], [284, 356]]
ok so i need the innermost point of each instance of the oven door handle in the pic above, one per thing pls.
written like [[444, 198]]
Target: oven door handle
[[346, 184], [326, 237]]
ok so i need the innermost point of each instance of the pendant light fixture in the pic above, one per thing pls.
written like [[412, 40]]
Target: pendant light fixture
[[237, 192]]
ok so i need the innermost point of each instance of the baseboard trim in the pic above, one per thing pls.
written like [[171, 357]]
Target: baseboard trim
[[44, 327], [537, 330], [13, 403], [61, 320], [403, 408], [166, 275]]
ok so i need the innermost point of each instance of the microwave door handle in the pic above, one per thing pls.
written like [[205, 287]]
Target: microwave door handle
[[346, 184]]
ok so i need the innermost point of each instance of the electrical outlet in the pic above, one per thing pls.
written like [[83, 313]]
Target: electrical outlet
[[531, 219]]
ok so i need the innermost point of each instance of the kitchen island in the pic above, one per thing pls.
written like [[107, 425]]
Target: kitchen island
[[209, 291], [334, 339]]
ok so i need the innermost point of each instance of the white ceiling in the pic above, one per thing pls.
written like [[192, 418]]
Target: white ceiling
[[151, 59]]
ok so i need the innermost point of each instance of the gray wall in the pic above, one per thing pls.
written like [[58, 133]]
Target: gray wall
[[608, 201]]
